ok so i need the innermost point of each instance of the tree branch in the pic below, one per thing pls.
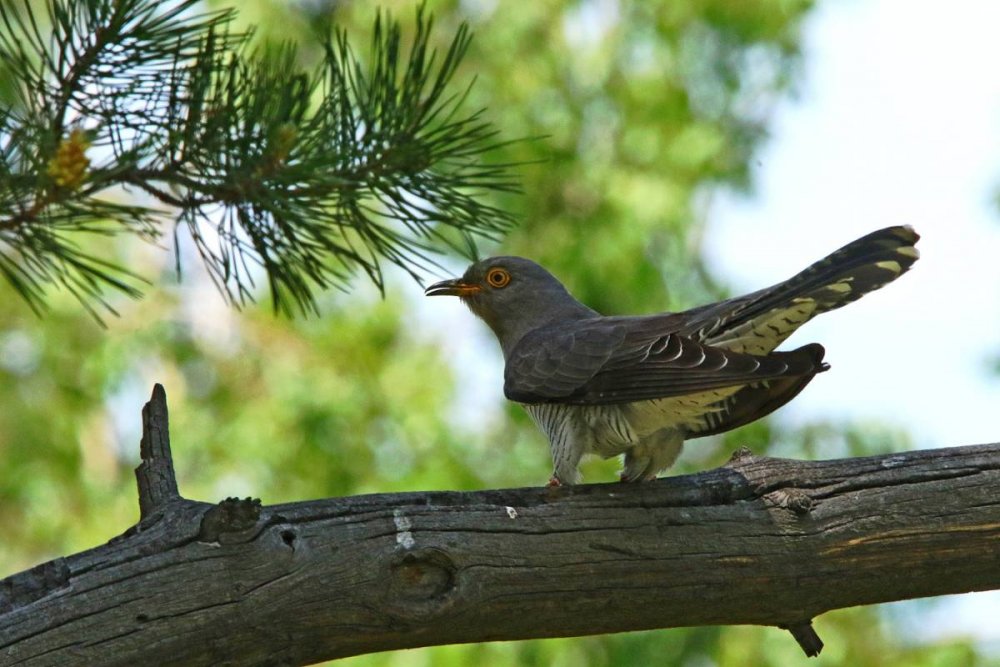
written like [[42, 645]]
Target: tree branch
[[155, 475], [759, 541], [309, 174]]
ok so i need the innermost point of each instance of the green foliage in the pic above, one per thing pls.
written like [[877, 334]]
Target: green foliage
[[642, 112], [302, 176]]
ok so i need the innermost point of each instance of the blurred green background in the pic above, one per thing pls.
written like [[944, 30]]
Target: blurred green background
[[641, 110]]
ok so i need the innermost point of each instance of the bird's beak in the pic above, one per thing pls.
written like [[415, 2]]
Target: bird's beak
[[453, 287]]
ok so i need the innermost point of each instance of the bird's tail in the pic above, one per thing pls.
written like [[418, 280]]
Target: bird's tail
[[763, 319], [846, 275], [758, 399]]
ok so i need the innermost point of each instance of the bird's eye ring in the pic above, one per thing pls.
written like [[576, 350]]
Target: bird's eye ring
[[498, 278]]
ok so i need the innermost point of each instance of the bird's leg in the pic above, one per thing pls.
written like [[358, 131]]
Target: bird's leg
[[636, 467], [566, 455], [653, 454], [554, 481], [635, 470]]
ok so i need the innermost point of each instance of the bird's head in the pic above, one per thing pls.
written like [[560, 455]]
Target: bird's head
[[513, 296]]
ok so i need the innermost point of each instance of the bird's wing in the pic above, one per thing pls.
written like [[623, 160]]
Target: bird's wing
[[758, 322], [621, 360]]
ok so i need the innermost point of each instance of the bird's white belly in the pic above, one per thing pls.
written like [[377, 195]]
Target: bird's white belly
[[604, 430], [609, 430]]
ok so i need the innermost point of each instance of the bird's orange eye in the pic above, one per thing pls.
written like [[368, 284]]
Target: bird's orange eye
[[498, 278]]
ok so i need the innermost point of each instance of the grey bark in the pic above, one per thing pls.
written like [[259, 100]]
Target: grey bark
[[759, 541]]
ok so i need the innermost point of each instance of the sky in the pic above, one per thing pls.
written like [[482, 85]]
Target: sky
[[897, 122]]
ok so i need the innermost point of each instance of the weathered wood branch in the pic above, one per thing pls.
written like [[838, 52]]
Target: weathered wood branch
[[155, 476], [760, 541]]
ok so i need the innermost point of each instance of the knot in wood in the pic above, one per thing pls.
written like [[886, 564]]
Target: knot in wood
[[232, 515], [796, 500], [741, 455], [420, 582]]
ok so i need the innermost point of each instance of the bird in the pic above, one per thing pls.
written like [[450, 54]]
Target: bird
[[639, 386]]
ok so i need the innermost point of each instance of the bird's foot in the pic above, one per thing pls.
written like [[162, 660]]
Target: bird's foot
[[625, 479], [553, 481]]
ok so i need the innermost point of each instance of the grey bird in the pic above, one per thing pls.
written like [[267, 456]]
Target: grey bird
[[641, 386]]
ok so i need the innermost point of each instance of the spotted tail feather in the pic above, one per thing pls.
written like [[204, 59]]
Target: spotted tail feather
[[760, 321]]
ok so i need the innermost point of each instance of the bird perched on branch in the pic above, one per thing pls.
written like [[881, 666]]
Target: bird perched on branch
[[641, 386]]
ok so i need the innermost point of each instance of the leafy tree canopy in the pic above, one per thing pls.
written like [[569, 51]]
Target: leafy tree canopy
[[638, 111]]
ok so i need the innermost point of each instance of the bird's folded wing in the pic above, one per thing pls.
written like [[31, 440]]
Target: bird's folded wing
[[614, 361]]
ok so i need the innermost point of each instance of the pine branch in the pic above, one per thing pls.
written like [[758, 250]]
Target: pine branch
[[298, 178]]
